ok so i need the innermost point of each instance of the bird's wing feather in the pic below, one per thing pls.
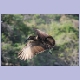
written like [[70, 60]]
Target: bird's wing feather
[[40, 33], [30, 50], [25, 53], [37, 49], [43, 36]]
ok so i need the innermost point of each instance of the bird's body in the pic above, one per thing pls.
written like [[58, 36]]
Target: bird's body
[[36, 45]]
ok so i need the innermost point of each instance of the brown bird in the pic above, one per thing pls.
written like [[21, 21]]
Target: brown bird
[[36, 44]]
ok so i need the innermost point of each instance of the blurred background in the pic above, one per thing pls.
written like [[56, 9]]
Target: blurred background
[[64, 28]]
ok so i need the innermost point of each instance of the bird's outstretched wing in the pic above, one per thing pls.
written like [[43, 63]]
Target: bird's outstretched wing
[[32, 48], [42, 35]]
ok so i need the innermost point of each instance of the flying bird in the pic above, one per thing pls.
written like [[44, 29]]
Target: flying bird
[[36, 44]]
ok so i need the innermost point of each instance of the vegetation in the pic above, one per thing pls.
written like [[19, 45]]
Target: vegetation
[[15, 28]]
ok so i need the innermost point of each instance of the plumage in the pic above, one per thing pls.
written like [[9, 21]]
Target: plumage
[[36, 44], [32, 48], [41, 35], [44, 37]]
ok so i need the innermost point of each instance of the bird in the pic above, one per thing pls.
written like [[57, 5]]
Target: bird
[[36, 44]]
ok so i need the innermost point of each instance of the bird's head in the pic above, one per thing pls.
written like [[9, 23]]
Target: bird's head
[[31, 38]]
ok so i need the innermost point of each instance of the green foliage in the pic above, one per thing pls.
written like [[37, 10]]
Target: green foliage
[[40, 21], [55, 17], [36, 16], [74, 16], [66, 36], [10, 18]]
